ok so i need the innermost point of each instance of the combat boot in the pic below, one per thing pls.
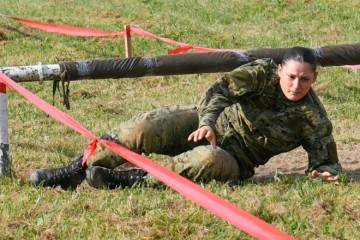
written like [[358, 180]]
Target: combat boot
[[67, 177], [99, 177]]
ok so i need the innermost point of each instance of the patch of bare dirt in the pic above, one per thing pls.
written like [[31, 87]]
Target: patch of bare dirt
[[295, 163]]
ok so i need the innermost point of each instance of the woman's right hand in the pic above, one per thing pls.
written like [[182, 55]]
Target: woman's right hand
[[325, 176], [204, 131]]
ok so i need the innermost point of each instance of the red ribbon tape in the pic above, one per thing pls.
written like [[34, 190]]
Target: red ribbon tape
[[2, 88], [68, 30], [353, 66], [90, 32]]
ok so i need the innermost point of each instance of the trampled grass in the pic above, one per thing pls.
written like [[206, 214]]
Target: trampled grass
[[302, 207]]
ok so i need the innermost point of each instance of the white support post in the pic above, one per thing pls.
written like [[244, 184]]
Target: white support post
[[5, 169]]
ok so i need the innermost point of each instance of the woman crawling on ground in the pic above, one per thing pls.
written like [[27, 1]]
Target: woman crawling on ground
[[249, 115]]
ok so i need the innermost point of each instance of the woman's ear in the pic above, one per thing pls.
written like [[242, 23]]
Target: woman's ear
[[315, 76], [279, 69]]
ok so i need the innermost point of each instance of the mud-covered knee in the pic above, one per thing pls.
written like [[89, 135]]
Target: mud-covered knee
[[211, 155], [223, 165]]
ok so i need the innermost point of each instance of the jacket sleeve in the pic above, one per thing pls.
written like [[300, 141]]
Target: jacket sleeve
[[231, 87], [322, 154]]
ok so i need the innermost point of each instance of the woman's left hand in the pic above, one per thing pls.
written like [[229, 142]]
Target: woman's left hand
[[326, 176], [204, 131]]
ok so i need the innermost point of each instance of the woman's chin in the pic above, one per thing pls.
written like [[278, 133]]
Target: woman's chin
[[293, 97]]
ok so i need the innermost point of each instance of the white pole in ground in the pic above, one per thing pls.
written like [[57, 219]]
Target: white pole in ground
[[5, 169]]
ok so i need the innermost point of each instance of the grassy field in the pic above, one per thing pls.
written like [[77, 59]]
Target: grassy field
[[302, 207]]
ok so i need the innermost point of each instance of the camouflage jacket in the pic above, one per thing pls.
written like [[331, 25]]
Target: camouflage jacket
[[254, 120]]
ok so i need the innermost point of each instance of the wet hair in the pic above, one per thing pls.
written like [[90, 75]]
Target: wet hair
[[300, 54]]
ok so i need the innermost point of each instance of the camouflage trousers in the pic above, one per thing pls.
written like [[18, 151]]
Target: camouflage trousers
[[165, 131]]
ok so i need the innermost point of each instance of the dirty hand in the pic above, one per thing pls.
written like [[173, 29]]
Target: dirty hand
[[204, 131], [325, 176]]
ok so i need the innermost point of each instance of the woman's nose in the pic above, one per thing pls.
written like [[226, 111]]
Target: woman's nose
[[296, 83]]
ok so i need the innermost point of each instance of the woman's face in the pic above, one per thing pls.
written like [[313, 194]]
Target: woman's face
[[296, 79]]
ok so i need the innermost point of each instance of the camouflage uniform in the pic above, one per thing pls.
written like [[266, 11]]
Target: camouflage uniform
[[252, 119]]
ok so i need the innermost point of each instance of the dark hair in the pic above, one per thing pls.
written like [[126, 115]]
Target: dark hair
[[300, 54]]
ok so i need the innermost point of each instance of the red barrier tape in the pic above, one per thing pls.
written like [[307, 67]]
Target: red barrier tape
[[220, 207], [2, 88], [64, 29], [89, 32], [352, 66]]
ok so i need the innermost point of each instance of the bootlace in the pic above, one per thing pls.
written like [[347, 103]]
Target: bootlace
[[64, 173], [127, 178]]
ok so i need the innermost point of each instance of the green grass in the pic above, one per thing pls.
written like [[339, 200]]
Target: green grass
[[304, 208]]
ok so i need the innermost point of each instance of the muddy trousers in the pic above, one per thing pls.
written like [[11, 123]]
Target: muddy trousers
[[165, 131]]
